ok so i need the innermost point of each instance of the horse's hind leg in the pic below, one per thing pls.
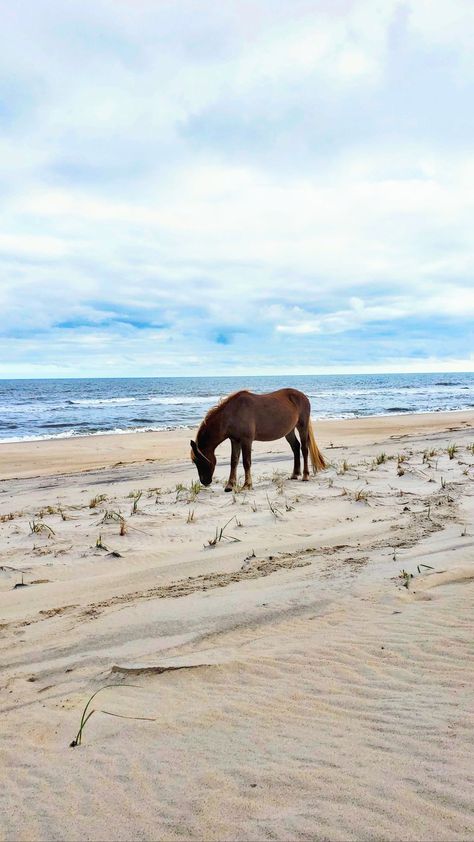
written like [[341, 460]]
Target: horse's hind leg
[[295, 446], [304, 439], [234, 461], [247, 460]]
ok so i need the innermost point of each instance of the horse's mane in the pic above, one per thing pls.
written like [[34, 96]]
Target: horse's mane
[[217, 408]]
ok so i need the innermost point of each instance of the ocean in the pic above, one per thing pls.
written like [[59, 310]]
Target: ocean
[[46, 409]]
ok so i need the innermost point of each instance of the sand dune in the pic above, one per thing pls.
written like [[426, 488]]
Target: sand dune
[[307, 676]]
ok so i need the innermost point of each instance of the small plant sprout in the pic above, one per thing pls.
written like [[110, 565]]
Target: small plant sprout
[[94, 501], [344, 466], [136, 497], [381, 458], [38, 527], [86, 713], [194, 490], [452, 450], [99, 545], [123, 528], [190, 518], [470, 447], [253, 506], [406, 578], [110, 516], [361, 495], [443, 483], [278, 480], [219, 536], [274, 509]]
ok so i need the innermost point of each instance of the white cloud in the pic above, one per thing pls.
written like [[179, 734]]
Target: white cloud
[[264, 168]]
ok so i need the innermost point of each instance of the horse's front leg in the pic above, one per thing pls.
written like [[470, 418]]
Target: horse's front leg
[[247, 460], [234, 461]]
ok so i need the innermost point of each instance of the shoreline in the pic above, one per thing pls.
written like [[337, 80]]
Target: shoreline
[[45, 457], [127, 431]]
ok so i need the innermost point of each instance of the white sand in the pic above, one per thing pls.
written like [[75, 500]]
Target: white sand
[[288, 685]]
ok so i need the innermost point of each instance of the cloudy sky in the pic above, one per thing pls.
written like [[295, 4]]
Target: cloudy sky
[[266, 186]]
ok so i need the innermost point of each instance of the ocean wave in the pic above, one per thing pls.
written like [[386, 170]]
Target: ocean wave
[[73, 434], [99, 401], [178, 400]]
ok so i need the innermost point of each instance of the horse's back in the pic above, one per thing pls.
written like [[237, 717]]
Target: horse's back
[[269, 416]]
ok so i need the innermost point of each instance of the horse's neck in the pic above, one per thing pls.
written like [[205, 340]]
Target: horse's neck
[[212, 433]]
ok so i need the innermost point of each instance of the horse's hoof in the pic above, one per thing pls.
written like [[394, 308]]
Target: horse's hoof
[[305, 479], [229, 488]]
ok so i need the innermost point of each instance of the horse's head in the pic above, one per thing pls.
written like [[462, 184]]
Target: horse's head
[[204, 464]]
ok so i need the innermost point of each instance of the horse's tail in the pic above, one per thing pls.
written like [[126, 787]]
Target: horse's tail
[[317, 458]]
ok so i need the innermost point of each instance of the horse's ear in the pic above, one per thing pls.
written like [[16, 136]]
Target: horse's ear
[[194, 447]]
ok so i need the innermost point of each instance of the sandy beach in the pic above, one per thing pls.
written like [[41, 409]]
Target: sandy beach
[[291, 662]]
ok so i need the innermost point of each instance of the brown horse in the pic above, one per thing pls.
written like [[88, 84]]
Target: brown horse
[[244, 418]]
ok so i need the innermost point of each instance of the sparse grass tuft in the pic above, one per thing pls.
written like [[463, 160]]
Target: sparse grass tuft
[[190, 518], [94, 501], [110, 515], [278, 480], [274, 509], [381, 458], [452, 450], [344, 467], [194, 490], [219, 536], [361, 495], [406, 578], [99, 545], [136, 495], [5, 518], [38, 527]]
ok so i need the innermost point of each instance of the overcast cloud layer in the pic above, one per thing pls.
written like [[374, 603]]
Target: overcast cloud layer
[[272, 186]]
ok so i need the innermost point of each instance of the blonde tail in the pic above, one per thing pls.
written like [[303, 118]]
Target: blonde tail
[[317, 458]]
